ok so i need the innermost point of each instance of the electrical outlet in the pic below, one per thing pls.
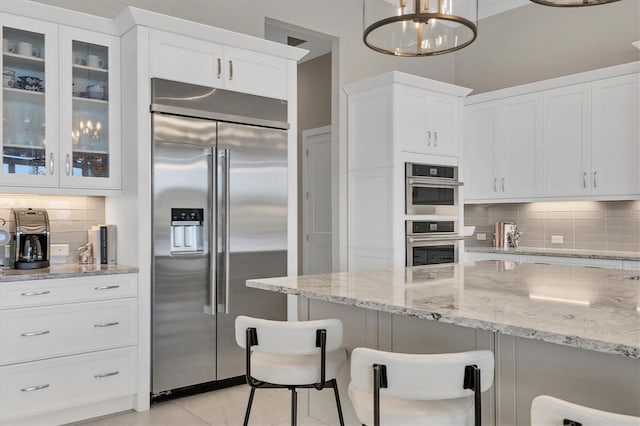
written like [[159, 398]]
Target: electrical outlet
[[480, 236], [557, 239], [59, 249]]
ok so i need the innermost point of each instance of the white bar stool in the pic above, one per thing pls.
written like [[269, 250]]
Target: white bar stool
[[407, 389], [549, 411], [291, 354]]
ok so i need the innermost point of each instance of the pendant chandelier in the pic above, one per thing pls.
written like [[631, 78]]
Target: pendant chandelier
[[572, 3], [419, 27]]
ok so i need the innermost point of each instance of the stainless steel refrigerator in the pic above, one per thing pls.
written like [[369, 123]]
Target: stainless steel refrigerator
[[219, 218]]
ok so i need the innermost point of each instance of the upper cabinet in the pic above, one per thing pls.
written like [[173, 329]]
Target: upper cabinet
[[580, 140], [426, 122], [615, 148], [29, 103], [61, 108], [502, 148], [190, 60], [90, 109]]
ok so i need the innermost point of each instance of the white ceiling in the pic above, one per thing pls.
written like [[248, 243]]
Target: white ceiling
[[318, 45]]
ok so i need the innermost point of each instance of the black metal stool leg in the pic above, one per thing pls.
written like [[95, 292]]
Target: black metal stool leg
[[334, 384], [294, 407], [248, 412]]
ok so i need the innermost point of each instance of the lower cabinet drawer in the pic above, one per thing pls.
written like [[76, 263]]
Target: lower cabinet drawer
[[35, 333], [37, 387]]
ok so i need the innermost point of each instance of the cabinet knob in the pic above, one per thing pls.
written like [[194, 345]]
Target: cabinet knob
[[230, 70], [495, 184], [595, 179], [584, 179], [67, 165], [219, 68], [502, 183], [429, 138], [435, 138]]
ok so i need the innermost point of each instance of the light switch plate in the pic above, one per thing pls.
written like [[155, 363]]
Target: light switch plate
[[59, 249], [557, 239]]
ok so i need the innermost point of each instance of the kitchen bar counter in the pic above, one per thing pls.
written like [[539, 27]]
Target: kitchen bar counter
[[593, 309], [584, 254], [66, 270]]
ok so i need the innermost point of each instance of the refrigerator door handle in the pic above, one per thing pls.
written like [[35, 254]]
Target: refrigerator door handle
[[226, 243], [212, 304]]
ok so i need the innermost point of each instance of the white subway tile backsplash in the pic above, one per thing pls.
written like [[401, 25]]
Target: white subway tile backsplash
[[589, 225]]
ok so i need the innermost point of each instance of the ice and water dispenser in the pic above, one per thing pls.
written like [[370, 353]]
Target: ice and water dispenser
[[187, 231]]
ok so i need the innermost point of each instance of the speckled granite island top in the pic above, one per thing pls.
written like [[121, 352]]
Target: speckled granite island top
[[66, 270], [584, 254], [594, 309]]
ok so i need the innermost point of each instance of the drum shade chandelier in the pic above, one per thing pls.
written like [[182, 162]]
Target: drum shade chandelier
[[572, 3], [419, 27]]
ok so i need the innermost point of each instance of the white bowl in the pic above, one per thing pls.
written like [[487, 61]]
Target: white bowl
[[468, 231]]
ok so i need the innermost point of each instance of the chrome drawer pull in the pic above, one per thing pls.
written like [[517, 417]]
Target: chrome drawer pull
[[34, 388], [100, 376], [106, 324], [106, 287], [36, 293], [35, 333]]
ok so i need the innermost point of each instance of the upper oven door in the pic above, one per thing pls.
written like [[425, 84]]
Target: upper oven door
[[428, 197]]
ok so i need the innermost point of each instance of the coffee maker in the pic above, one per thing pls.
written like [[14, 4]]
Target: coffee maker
[[30, 238]]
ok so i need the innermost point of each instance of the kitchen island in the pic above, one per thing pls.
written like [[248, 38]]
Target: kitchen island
[[571, 332]]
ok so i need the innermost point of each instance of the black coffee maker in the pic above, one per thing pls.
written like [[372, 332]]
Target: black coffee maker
[[30, 238]]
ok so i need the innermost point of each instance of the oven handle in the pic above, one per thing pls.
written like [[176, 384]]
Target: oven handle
[[433, 182], [433, 239]]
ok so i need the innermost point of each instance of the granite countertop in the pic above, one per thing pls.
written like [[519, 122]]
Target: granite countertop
[[585, 254], [594, 309], [66, 270]]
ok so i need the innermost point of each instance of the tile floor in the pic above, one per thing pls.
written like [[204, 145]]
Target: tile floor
[[271, 407]]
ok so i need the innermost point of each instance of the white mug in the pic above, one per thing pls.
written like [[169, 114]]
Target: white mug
[[8, 46], [94, 61], [26, 49]]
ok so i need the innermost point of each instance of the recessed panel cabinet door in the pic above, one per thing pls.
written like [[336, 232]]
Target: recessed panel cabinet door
[[521, 163], [481, 151], [567, 134], [615, 148], [255, 73]]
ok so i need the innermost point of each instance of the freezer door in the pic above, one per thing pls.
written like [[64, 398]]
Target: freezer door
[[184, 336], [252, 242]]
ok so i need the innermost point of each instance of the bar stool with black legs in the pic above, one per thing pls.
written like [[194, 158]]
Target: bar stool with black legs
[[549, 411], [407, 389], [292, 355]]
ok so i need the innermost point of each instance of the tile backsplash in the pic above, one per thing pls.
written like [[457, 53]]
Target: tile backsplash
[[69, 217], [585, 225]]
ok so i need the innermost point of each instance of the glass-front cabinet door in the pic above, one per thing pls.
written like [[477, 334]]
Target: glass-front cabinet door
[[29, 103], [90, 97]]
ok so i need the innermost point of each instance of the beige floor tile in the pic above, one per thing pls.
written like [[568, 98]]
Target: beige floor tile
[[164, 414]]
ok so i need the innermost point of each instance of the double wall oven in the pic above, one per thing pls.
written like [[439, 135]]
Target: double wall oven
[[431, 190]]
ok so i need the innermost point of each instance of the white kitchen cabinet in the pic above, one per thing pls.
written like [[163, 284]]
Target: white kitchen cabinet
[[503, 149], [576, 137], [615, 147], [481, 150], [179, 58], [62, 131], [67, 344], [426, 121], [30, 150], [394, 119], [90, 136], [567, 141]]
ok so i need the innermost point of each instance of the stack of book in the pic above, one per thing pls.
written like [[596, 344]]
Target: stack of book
[[103, 243]]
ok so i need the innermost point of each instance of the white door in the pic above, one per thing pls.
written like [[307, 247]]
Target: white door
[[316, 185]]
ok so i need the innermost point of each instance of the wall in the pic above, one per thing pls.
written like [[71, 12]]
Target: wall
[[314, 110], [69, 217], [585, 225], [535, 42]]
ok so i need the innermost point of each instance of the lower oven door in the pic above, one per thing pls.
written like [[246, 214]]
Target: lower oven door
[[429, 252]]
